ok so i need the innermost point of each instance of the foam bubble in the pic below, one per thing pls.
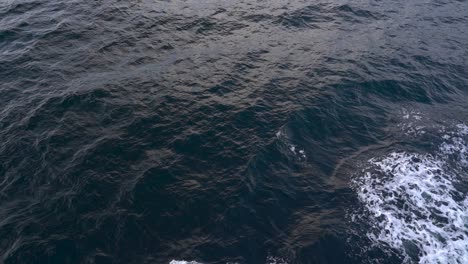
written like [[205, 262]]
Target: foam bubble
[[413, 205]]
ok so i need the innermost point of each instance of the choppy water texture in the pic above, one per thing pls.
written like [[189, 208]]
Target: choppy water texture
[[233, 131]]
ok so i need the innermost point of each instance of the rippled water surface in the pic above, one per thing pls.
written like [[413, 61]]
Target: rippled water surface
[[274, 132]]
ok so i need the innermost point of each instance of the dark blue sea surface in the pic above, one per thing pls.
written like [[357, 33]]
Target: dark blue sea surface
[[256, 132]]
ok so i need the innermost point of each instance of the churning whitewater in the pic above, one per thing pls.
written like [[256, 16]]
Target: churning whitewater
[[417, 202]]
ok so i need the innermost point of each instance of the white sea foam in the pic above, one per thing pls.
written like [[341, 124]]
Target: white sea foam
[[278, 134], [413, 205], [412, 122], [455, 145], [411, 114], [183, 262], [276, 260], [269, 260], [298, 152]]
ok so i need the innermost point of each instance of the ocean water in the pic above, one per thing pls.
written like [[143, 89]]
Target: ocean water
[[206, 132]]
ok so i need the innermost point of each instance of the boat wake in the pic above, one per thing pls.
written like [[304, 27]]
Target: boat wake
[[416, 203]]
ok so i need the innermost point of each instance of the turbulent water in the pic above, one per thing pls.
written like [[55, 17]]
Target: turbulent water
[[199, 132]]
